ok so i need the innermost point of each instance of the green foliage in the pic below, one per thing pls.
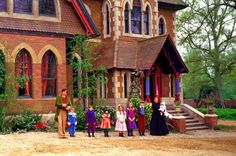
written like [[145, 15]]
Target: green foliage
[[136, 102], [135, 84], [98, 110], [148, 113], [225, 128], [88, 76], [25, 121], [226, 114], [207, 29], [81, 119]]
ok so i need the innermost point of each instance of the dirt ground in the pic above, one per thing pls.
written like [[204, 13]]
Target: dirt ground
[[212, 143]]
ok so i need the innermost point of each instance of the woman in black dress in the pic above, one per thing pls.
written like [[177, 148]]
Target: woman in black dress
[[158, 125]]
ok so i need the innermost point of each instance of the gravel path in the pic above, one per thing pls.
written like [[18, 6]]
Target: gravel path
[[197, 143]]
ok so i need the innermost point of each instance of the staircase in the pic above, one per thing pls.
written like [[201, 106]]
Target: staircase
[[192, 123]]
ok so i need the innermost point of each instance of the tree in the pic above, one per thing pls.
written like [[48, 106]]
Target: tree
[[209, 28], [229, 3], [88, 77]]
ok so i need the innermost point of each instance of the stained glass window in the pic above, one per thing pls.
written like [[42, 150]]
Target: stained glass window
[[3, 5], [49, 74], [146, 21], [136, 18], [47, 8], [127, 18], [107, 20], [23, 6]]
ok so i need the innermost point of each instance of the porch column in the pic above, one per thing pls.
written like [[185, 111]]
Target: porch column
[[142, 88], [147, 85], [177, 86]]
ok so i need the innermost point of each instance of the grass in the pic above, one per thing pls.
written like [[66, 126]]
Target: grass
[[226, 114], [225, 128]]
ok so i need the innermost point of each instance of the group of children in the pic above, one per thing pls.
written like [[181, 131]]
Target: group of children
[[122, 125]]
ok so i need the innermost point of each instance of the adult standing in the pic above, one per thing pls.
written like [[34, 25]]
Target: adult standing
[[158, 124], [63, 104]]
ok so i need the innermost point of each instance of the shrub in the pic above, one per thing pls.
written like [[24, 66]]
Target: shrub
[[81, 119], [226, 113], [98, 110], [40, 126], [25, 121]]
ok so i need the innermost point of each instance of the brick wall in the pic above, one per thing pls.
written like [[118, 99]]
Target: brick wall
[[36, 46]]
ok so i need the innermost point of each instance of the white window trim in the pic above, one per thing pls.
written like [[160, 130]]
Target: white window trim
[[104, 13], [35, 12]]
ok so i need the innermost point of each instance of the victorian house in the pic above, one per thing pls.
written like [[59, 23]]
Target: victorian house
[[136, 35], [139, 35]]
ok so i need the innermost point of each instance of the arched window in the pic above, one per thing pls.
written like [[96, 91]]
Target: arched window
[[107, 20], [47, 8], [2, 73], [161, 26], [3, 6], [126, 17], [23, 73], [126, 86], [23, 6], [49, 74], [136, 17], [146, 21]]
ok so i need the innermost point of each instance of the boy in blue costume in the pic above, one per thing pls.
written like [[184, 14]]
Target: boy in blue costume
[[72, 122]]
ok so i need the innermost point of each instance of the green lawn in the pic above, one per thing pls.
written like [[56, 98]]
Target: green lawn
[[226, 114]]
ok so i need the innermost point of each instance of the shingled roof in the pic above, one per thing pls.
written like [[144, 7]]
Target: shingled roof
[[173, 4], [141, 55], [74, 20]]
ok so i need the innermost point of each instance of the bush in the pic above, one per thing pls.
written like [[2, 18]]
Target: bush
[[98, 110], [25, 121], [226, 113], [81, 119], [5, 122]]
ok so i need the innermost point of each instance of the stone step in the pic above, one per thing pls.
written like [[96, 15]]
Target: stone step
[[191, 120], [174, 111], [180, 114], [194, 124], [196, 128], [189, 117]]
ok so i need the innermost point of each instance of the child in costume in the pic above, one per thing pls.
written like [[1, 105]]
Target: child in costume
[[120, 122], [106, 122], [90, 121], [72, 122], [141, 119], [131, 123]]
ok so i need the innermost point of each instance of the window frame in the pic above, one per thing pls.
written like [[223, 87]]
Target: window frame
[[35, 12], [20, 55], [43, 78]]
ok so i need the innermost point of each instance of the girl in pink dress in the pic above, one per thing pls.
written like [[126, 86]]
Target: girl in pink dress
[[120, 122]]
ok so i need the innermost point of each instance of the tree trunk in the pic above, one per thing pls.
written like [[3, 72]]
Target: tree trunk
[[218, 80]]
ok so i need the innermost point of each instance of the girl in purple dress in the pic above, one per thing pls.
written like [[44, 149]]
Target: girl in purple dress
[[90, 121], [131, 124]]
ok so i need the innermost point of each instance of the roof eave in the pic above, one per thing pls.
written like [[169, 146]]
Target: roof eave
[[172, 6]]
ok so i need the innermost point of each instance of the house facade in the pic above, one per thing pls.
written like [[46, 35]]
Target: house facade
[[33, 37], [136, 35], [139, 36]]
